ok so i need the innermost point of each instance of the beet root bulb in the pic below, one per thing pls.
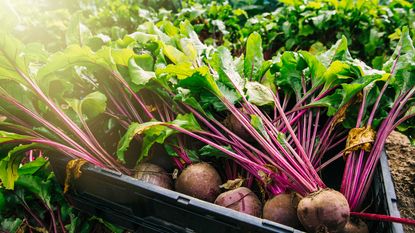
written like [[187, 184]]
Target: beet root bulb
[[199, 180], [232, 123], [153, 174], [324, 211], [283, 209], [241, 199]]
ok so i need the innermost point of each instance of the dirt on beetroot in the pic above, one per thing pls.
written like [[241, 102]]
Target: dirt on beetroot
[[401, 156]]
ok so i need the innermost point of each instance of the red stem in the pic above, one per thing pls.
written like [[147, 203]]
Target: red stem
[[384, 218], [133, 94], [27, 208], [60, 219], [375, 107]]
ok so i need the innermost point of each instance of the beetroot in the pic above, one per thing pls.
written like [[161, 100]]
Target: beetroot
[[355, 225], [241, 199], [232, 123], [324, 211], [283, 209], [153, 174], [199, 180]]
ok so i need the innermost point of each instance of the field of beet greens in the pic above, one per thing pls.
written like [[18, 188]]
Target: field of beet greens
[[246, 104]]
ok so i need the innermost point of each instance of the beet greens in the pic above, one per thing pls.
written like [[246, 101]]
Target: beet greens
[[387, 112]]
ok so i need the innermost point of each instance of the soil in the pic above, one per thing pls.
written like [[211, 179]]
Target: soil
[[401, 157]]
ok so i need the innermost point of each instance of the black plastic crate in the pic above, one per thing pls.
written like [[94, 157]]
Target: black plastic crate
[[145, 208], [384, 197]]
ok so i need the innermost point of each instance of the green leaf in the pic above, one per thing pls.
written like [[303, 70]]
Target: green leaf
[[209, 151], [290, 73], [145, 61], [230, 94], [338, 52], [11, 56], [154, 132], [9, 165], [76, 55], [98, 41], [254, 57], [56, 86], [269, 81], [402, 64], [168, 28], [159, 133], [189, 49], [317, 69], [2, 200], [187, 30], [208, 100], [265, 67], [11, 224], [77, 32], [344, 94], [8, 136], [223, 63], [331, 102], [187, 121], [352, 89], [108, 225], [182, 70], [132, 131], [175, 55], [120, 57], [185, 96], [138, 75], [408, 127], [257, 123], [139, 37], [37, 186], [336, 73], [199, 81], [32, 167], [259, 94], [20, 93], [90, 106], [152, 29]]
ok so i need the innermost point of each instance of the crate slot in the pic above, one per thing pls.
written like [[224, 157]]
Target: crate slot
[[183, 200]]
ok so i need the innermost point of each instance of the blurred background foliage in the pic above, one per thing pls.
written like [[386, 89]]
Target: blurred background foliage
[[371, 27]]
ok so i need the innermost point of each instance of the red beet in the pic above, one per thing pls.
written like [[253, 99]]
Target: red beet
[[199, 180], [237, 128], [324, 211], [241, 199], [283, 209], [153, 174]]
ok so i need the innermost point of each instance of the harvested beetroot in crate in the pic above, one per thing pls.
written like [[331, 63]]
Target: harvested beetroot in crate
[[145, 208]]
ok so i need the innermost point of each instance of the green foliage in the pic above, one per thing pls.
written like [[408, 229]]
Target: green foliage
[[254, 57], [154, 132], [90, 106], [37, 191]]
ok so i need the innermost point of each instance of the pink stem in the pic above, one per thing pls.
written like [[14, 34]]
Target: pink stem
[[383, 218]]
